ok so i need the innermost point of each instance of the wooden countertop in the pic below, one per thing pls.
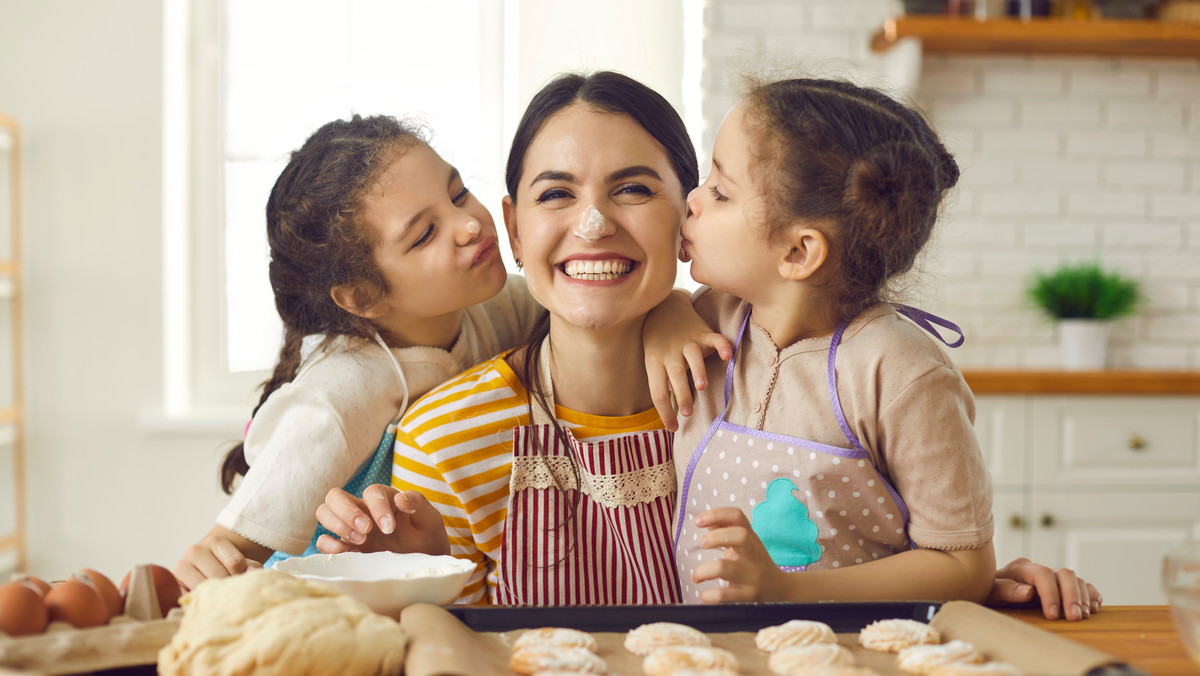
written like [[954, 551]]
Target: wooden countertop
[[1110, 382], [1142, 636]]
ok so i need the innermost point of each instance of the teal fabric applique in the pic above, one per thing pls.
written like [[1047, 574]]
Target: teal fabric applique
[[781, 522]]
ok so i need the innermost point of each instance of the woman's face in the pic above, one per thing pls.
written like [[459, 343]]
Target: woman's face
[[596, 218]]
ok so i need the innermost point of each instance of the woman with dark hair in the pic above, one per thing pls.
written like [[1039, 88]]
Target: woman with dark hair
[[549, 464]]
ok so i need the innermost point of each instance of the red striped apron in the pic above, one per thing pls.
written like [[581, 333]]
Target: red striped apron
[[588, 523]]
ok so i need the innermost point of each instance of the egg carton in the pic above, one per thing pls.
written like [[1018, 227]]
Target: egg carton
[[132, 638]]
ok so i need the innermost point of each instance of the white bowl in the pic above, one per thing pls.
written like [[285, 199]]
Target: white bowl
[[386, 581]]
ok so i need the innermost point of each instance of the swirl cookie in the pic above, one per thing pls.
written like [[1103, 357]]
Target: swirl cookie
[[672, 660], [922, 659], [537, 659], [800, 659], [794, 632], [555, 636], [976, 669], [892, 636], [647, 638]]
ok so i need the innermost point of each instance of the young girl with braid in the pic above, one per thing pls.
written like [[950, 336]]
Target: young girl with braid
[[387, 276], [833, 457]]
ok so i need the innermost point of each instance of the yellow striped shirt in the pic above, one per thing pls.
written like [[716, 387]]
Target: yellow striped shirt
[[455, 446]]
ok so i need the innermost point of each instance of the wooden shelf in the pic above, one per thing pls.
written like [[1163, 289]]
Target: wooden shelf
[[1084, 382], [1096, 37]]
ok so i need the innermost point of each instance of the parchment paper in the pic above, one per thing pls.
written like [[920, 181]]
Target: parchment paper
[[441, 645]]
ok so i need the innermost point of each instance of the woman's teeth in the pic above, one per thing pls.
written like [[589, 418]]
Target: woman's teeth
[[597, 270]]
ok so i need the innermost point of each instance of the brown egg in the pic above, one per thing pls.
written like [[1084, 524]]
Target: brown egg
[[166, 587], [22, 610], [112, 597], [37, 583], [75, 601]]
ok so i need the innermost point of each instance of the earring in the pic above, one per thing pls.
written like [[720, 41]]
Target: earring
[[520, 265]]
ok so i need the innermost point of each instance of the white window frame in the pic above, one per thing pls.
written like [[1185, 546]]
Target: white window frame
[[201, 397]]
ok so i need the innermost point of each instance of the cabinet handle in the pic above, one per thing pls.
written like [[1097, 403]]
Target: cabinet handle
[[1137, 442], [1017, 521], [1047, 521]]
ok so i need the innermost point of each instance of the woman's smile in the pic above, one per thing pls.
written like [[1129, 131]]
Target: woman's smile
[[597, 268]]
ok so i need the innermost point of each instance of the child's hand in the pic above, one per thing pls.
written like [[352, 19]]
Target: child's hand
[[406, 522], [222, 553], [746, 567], [1022, 581], [676, 340]]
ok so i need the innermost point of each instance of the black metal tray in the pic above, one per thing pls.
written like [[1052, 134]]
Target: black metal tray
[[842, 617]]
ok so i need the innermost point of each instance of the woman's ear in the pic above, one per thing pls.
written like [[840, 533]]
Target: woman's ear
[[352, 299], [509, 210], [807, 249]]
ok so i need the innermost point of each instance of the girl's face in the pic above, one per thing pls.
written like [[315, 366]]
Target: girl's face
[[596, 218], [724, 235], [434, 242]]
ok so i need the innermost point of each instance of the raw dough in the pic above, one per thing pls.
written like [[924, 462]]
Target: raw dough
[[267, 622]]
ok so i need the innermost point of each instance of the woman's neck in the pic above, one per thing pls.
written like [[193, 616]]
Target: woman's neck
[[599, 372]]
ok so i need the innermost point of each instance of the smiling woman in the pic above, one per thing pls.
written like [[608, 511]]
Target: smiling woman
[[549, 465]]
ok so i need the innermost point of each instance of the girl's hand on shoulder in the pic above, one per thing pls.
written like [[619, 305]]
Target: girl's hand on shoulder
[[746, 568], [676, 340], [384, 519], [1062, 593]]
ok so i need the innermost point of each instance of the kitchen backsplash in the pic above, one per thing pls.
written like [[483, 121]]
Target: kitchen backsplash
[[1063, 158]]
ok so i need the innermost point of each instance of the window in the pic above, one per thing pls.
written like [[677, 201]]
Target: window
[[247, 81]]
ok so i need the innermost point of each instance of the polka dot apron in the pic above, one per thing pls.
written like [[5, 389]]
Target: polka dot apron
[[814, 506], [587, 523]]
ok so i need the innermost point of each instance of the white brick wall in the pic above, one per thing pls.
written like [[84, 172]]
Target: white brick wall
[[1063, 159]]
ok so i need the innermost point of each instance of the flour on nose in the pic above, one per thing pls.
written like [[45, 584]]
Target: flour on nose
[[592, 225], [473, 227]]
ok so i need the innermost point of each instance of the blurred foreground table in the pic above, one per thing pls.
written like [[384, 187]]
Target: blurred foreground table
[[1142, 636]]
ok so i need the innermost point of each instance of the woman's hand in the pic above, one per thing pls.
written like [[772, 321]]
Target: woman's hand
[[1062, 592], [384, 519], [221, 553], [746, 567], [676, 340]]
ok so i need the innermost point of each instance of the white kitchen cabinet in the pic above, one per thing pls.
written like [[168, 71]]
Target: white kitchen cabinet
[[1100, 484]]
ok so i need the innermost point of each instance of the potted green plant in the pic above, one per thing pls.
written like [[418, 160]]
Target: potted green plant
[[1084, 299]]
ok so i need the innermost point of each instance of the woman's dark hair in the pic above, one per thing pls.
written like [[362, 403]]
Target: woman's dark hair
[[317, 242], [612, 93], [856, 160]]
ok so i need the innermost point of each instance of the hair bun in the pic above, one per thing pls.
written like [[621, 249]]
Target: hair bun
[[893, 176]]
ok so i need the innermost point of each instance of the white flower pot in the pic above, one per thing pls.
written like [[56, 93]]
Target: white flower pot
[[1084, 343]]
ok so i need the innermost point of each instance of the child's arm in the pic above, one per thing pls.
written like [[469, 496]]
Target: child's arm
[[406, 522], [677, 340], [965, 574], [1022, 581], [220, 553]]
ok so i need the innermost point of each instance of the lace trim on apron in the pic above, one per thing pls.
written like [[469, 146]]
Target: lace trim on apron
[[623, 490]]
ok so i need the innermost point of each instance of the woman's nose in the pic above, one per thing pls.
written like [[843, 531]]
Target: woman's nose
[[593, 226], [469, 232]]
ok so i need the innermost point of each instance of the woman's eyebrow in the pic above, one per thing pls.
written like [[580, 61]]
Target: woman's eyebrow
[[554, 176], [630, 172], [453, 175]]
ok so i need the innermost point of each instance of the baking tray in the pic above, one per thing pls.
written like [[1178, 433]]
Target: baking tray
[[842, 617]]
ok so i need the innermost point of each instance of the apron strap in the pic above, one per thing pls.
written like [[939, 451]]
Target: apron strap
[[399, 372], [539, 415], [926, 320], [831, 372]]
